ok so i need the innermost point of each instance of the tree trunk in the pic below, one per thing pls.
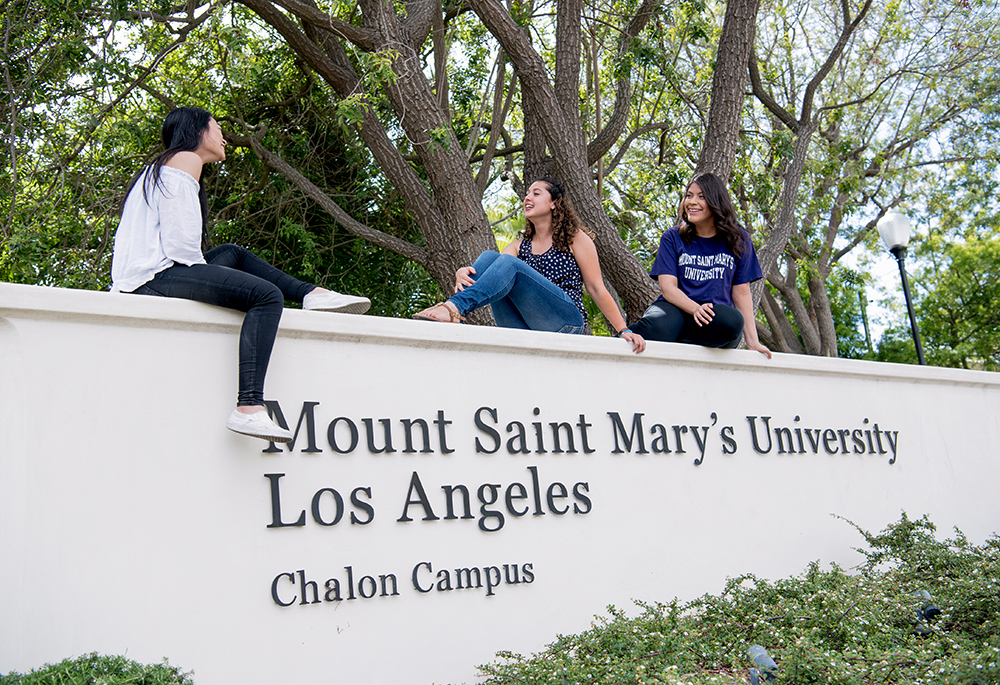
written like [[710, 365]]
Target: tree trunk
[[729, 83], [450, 215], [775, 239], [822, 316], [564, 139], [781, 336], [448, 205]]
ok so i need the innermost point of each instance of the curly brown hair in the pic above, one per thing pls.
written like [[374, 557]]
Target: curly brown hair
[[719, 203], [565, 222]]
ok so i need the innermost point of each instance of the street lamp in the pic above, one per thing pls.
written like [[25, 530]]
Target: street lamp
[[894, 228]]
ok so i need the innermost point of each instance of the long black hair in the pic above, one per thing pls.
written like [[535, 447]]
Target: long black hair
[[182, 131], [719, 203]]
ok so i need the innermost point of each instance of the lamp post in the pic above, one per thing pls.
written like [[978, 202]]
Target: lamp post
[[894, 228]]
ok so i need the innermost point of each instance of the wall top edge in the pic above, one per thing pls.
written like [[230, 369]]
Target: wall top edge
[[28, 302]]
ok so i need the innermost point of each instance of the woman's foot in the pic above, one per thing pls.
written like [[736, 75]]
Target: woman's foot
[[257, 424], [444, 312], [322, 300]]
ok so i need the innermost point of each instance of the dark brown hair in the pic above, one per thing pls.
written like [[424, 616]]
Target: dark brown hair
[[565, 222], [719, 203]]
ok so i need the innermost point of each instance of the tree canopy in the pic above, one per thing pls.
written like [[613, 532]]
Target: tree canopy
[[378, 146]]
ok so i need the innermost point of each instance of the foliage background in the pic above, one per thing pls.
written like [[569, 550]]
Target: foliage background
[[95, 669], [905, 118], [825, 625]]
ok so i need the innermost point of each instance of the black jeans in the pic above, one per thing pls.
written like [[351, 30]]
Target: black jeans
[[237, 279], [664, 322]]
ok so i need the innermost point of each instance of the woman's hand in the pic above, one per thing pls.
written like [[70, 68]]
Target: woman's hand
[[756, 346], [463, 278], [743, 300], [585, 254], [704, 314], [638, 343]]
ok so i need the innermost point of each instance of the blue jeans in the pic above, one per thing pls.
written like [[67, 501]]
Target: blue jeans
[[520, 296], [664, 322], [235, 278]]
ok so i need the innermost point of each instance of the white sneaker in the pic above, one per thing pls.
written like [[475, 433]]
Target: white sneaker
[[336, 302], [257, 425]]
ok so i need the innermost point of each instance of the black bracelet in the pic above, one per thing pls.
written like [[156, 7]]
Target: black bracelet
[[622, 332]]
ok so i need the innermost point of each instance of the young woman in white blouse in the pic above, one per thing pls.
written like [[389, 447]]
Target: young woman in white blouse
[[161, 249]]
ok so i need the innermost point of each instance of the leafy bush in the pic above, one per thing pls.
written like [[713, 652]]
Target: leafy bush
[[823, 626], [93, 669]]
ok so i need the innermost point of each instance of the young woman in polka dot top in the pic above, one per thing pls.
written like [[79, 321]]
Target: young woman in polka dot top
[[536, 282]]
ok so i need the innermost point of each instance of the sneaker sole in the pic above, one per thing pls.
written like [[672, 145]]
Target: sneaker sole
[[355, 308], [271, 438]]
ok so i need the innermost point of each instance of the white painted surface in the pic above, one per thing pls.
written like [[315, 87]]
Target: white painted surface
[[133, 522]]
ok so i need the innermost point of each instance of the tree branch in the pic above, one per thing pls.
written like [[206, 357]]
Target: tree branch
[[501, 108], [838, 49], [84, 138], [567, 78], [380, 238], [341, 76], [421, 18], [757, 88], [631, 138], [363, 38], [612, 129]]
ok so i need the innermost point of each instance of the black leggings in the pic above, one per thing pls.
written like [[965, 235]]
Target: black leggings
[[664, 322], [237, 279]]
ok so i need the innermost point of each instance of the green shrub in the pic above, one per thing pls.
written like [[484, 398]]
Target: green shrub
[[823, 626], [93, 669]]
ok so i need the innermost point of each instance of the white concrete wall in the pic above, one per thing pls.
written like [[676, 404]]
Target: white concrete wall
[[133, 522]]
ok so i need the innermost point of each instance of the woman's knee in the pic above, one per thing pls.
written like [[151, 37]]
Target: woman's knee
[[266, 296], [504, 259], [226, 254], [729, 319], [507, 265], [726, 328], [498, 264], [485, 261], [661, 321]]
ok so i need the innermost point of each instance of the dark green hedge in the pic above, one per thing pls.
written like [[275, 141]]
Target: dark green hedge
[[827, 626], [94, 669]]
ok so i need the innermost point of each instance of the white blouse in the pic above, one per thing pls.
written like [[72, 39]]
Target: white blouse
[[154, 235]]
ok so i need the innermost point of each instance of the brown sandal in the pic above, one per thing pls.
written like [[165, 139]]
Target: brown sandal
[[453, 315]]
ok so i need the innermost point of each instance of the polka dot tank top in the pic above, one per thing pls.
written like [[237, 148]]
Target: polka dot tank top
[[559, 267]]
